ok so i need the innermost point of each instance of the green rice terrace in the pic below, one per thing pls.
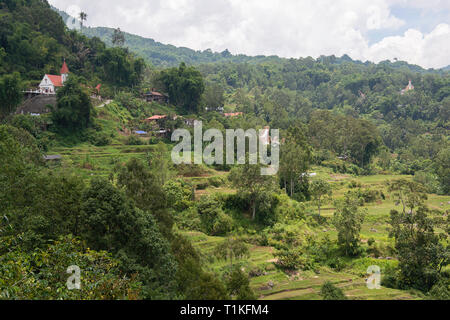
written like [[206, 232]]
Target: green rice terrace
[[267, 279]]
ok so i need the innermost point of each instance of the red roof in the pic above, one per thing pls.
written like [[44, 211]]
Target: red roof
[[56, 80], [233, 114], [64, 69], [157, 117]]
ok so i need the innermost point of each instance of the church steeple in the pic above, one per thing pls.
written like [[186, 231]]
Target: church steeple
[[64, 72]]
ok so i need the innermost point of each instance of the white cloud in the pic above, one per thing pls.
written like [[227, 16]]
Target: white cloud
[[288, 28], [429, 50]]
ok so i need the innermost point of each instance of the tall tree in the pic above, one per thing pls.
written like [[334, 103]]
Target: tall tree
[[118, 38], [185, 86], [144, 188], [421, 253], [319, 190], [83, 17], [249, 181], [10, 95], [111, 222], [348, 220], [295, 160], [74, 107]]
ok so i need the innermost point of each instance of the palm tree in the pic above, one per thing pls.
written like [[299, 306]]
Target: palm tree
[[83, 17]]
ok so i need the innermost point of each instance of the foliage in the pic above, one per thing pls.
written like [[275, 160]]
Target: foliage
[[74, 108], [320, 189], [193, 282], [420, 252], [293, 259], [143, 187], [238, 285], [185, 86], [348, 220], [295, 159], [110, 222], [330, 292], [42, 275], [442, 164], [248, 180], [10, 93], [440, 291], [231, 248], [214, 220]]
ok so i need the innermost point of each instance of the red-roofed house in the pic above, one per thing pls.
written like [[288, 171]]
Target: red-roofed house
[[50, 83], [233, 114], [156, 118]]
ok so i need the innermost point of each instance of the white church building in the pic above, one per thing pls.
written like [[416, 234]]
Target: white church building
[[51, 83]]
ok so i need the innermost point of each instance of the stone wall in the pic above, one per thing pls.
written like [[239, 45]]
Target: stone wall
[[37, 105]]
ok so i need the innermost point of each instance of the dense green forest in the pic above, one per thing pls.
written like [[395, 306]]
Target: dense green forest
[[140, 227]]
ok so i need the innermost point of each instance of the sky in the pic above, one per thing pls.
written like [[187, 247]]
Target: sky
[[416, 31]]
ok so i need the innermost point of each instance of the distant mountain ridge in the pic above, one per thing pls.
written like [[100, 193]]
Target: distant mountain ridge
[[166, 55]]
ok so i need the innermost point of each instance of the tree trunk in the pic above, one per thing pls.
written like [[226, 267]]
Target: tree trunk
[[254, 211], [292, 187]]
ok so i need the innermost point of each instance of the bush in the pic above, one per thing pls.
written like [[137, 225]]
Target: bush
[[293, 260], [215, 222], [330, 292], [428, 180], [216, 181], [238, 285], [354, 184], [440, 291], [100, 139], [180, 194], [389, 279], [188, 220], [134, 141]]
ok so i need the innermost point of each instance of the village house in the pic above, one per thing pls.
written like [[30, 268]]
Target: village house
[[232, 115], [156, 118], [51, 83], [155, 96]]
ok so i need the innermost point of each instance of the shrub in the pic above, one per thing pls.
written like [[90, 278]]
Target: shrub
[[188, 220], [293, 260], [238, 285], [214, 220], [134, 141], [100, 139], [330, 292], [440, 291], [216, 181], [428, 180], [180, 194]]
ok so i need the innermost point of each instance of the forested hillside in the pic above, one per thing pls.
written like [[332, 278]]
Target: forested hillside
[[34, 41]]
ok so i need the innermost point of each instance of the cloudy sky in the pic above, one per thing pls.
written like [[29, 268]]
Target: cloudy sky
[[417, 31]]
